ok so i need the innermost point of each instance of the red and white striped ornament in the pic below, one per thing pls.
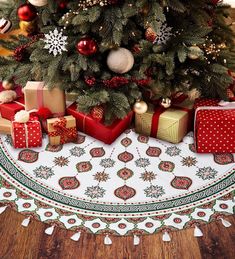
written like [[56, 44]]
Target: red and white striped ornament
[[5, 25]]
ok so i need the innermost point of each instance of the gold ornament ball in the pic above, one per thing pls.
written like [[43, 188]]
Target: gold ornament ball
[[8, 84], [140, 107], [194, 52], [29, 27], [166, 103]]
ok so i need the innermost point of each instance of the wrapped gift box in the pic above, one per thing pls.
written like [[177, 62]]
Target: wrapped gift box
[[5, 126], [97, 130], [8, 110], [214, 127], [38, 95], [166, 124], [27, 135], [62, 130]]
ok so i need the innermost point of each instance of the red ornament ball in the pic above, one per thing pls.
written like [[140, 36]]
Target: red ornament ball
[[215, 2], [87, 46], [97, 113], [27, 12]]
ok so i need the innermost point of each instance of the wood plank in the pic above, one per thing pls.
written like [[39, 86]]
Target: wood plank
[[17, 242]]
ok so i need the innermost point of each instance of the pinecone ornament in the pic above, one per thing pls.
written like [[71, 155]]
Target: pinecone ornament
[[150, 34]]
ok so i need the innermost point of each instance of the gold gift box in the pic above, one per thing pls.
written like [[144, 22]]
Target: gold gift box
[[173, 123], [70, 123], [5, 126], [53, 99]]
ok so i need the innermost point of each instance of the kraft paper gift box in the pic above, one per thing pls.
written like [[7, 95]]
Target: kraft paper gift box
[[5, 126], [62, 130], [38, 95], [166, 124]]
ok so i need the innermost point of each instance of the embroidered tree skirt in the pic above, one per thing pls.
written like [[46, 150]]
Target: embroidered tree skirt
[[137, 185]]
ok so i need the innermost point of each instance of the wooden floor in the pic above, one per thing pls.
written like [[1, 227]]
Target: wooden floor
[[17, 242]]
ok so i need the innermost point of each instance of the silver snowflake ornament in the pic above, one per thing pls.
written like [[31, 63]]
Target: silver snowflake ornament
[[164, 34], [56, 42]]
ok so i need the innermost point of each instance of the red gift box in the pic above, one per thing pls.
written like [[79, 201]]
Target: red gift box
[[214, 127], [8, 110], [97, 130], [27, 135]]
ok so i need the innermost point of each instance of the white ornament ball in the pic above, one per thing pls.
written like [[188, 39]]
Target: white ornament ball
[[38, 3], [120, 60], [140, 107], [7, 96], [22, 116], [5, 25], [8, 85]]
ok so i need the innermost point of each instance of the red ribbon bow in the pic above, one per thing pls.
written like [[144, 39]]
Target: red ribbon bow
[[66, 134]]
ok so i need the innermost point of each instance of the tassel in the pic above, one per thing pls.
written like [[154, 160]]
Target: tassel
[[226, 223], [136, 240], [25, 222], [107, 240], [166, 237], [2, 209], [197, 232], [76, 236], [49, 231]]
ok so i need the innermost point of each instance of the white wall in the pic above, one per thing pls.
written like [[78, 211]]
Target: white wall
[[231, 2]]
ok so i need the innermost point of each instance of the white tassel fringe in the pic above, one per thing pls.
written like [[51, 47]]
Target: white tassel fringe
[[166, 237], [197, 232], [25, 222], [49, 231], [226, 223], [76, 236], [107, 240], [136, 240], [2, 209]]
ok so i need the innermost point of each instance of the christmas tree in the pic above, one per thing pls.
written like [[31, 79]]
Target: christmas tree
[[115, 52]]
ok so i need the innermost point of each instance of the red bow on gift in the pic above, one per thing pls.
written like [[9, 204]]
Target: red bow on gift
[[66, 134]]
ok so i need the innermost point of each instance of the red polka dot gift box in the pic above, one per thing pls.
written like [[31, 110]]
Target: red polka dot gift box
[[27, 135], [214, 127]]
